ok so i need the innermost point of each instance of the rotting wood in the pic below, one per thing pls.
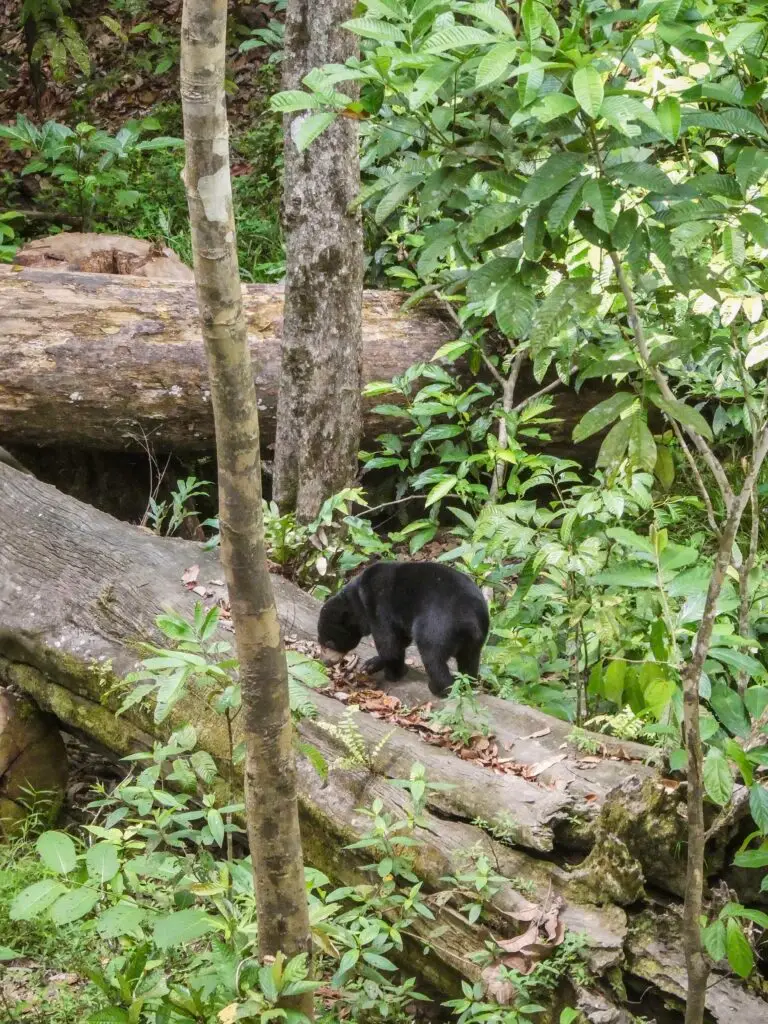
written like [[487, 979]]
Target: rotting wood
[[79, 589]]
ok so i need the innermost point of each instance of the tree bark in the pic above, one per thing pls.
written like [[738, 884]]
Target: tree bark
[[319, 409], [106, 361], [270, 771]]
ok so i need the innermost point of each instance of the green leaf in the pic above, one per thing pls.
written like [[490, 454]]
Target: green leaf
[[216, 825], [664, 469], [613, 681], [305, 130], [602, 198], [614, 447], [32, 901], [396, 195], [740, 33], [109, 1015], [739, 952], [718, 781], [74, 904], [630, 539], [624, 229], [429, 82], [733, 246], [729, 708], [6, 953], [372, 28], [495, 63], [752, 858], [628, 577], [682, 413], [102, 862], [714, 940], [757, 227], [588, 90], [122, 919], [181, 927], [668, 113], [758, 806], [730, 121], [294, 99], [515, 307], [640, 175], [601, 415], [441, 489], [456, 38], [57, 852], [565, 207], [738, 660], [552, 106], [554, 174]]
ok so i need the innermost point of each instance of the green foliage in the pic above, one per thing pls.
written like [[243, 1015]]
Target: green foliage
[[166, 517], [84, 169], [55, 36]]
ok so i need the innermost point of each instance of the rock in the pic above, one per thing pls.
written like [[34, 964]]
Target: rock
[[91, 253]]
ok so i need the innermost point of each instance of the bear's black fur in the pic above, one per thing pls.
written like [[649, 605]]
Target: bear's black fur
[[440, 610]]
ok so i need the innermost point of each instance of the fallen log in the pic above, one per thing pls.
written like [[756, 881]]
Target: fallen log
[[116, 362], [78, 589], [111, 362]]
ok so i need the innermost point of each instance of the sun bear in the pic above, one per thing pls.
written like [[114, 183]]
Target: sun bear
[[437, 608]]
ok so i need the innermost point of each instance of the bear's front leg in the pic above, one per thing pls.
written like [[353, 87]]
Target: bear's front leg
[[390, 657]]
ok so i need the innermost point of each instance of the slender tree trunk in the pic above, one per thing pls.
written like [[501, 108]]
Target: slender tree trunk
[[318, 412], [271, 803]]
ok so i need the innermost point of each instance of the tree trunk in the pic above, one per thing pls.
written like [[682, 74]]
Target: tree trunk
[[319, 409], [78, 589], [107, 361], [270, 772]]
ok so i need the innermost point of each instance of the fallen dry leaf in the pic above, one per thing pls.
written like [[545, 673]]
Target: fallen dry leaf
[[189, 576]]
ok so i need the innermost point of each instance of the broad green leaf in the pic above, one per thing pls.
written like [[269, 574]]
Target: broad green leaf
[[216, 825], [397, 195], [758, 806], [729, 708], [603, 414], [738, 950], [588, 90], [515, 307], [740, 33], [293, 100], [630, 576], [752, 858], [181, 927], [668, 113], [305, 130], [602, 198], [373, 28], [613, 681], [109, 1015], [614, 447], [630, 539], [624, 229], [457, 37], [682, 413], [495, 63], [757, 227], [429, 82], [74, 904], [57, 852], [714, 940], [736, 753], [6, 953], [718, 782], [751, 167], [729, 309], [753, 307], [730, 121], [756, 355], [756, 701], [733, 246], [737, 660], [565, 207], [489, 13], [122, 919], [552, 106], [641, 175], [102, 862], [664, 469], [441, 489], [32, 901], [554, 174]]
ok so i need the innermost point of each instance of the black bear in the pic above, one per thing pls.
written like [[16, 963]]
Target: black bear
[[439, 609]]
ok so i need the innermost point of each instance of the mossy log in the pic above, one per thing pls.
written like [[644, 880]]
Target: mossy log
[[80, 589], [115, 362]]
